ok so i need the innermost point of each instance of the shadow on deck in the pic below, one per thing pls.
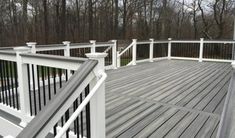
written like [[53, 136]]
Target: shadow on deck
[[169, 98]]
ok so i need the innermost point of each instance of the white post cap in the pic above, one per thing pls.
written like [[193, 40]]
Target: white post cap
[[169, 38], [66, 42], [92, 41], [151, 39], [30, 44], [134, 40]]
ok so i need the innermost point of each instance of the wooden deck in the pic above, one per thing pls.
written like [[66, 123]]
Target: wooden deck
[[169, 98]]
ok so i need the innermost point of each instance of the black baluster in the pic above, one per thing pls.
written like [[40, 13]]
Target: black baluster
[[39, 88], [29, 86], [34, 91], [43, 85], [87, 91], [16, 85], [12, 84]]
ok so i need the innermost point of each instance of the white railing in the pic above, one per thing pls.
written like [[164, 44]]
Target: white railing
[[25, 58], [202, 48], [67, 47]]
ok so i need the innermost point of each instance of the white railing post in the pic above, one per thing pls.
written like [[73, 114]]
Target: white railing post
[[97, 103], [201, 50], [118, 60], [23, 85], [151, 50], [169, 48], [114, 54], [134, 51], [32, 46], [93, 42], [67, 48], [67, 54]]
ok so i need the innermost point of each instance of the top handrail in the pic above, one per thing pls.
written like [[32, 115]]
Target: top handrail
[[8, 55], [52, 108], [71, 63]]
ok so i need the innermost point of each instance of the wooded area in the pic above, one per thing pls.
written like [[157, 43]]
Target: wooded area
[[52, 21]]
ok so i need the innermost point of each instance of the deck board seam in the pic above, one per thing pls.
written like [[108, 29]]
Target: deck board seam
[[170, 105]]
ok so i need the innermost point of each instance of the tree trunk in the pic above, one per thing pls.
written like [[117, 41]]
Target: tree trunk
[[116, 20], [90, 19], [63, 21], [45, 22], [164, 19], [25, 20], [124, 18]]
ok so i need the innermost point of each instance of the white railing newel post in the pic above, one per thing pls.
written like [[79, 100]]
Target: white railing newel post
[[93, 42], [169, 48], [118, 59], [201, 50], [67, 48], [67, 54], [134, 41], [151, 50], [23, 85], [114, 54], [97, 102], [32, 46]]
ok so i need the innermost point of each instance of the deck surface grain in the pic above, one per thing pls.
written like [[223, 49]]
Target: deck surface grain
[[169, 98]]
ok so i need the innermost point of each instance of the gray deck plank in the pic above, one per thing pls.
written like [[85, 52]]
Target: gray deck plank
[[123, 123], [132, 131], [219, 108], [156, 123], [205, 92], [184, 84], [167, 126], [216, 100], [180, 127], [185, 76], [177, 95], [195, 126], [187, 95], [208, 128]]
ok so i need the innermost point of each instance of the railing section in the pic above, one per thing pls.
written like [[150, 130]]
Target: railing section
[[201, 50]]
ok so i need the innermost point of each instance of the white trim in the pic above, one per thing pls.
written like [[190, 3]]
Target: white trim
[[186, 41], [219, 42], [109, 67], [8, 129], [15, 112], [185, 58], [217, 60], [147, 60], [143, 42]]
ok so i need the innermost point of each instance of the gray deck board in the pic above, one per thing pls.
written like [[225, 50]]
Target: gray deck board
[[169, 98]]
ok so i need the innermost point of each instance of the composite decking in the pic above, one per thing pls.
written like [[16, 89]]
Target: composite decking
[[169, 98]]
